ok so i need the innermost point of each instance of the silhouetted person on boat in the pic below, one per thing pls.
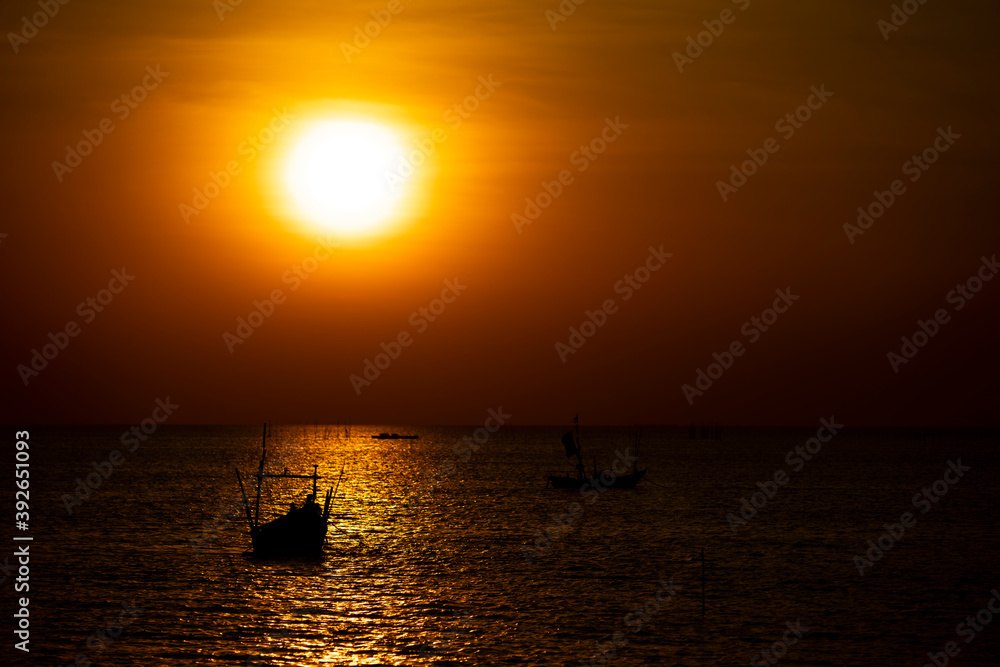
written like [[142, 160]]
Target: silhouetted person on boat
[[311, 505]]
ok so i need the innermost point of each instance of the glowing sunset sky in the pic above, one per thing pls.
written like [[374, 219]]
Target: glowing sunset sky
[[632, 149]]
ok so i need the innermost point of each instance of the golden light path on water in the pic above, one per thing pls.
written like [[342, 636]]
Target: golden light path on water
[[476, 562]]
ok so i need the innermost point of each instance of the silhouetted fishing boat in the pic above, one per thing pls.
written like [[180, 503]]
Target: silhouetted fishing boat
[[300, 532], [394, 436], [609, 479], [628, 481]]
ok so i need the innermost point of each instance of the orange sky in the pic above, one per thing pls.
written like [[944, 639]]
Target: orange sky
[[655, 185]]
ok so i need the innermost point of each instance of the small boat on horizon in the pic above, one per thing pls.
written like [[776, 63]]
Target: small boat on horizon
[[571, 443], [394, 436], [301, 532]]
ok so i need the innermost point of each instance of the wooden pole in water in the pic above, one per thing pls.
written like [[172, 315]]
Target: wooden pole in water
[[703, 582]]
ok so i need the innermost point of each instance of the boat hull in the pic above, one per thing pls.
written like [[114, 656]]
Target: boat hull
[[628, 481], [299, 534]]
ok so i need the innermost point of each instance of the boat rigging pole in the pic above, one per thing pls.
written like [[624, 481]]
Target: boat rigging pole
[[260, 477], [579, 447], [330, 494], [638, 443], [338, 480], [246, 502]]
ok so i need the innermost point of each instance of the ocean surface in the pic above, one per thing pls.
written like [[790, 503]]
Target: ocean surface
[[477, 562]]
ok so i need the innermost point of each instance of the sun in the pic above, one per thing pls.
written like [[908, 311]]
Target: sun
[[342, 175]]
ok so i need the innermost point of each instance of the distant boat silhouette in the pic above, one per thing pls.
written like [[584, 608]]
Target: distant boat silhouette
[[394, 436], [572, 446], [300, 532]]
